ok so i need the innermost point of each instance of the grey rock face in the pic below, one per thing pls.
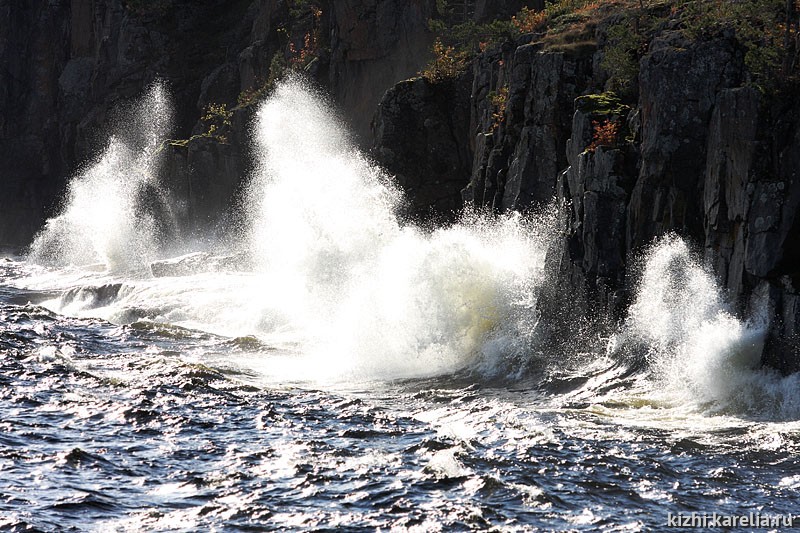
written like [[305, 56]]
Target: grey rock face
[[751, 198], [374, 44], [679, 82], [68, 65], [714, 166], [206, 176], [419, 127], [621, 199], [29, 131], [729, 183], [700, 156], [545, 96], [517, 161]]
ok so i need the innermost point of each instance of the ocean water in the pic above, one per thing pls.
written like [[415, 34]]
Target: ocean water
[[324, 364]]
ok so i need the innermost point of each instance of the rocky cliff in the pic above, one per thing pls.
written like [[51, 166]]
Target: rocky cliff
[[688, 143], [696, 151], [67, 65]]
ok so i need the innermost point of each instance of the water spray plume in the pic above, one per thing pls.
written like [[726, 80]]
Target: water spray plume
[[697, 352], [107, 214], [338, 287], [374, 295]]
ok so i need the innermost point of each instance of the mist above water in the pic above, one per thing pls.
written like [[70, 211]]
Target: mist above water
[[332, 274], [370, 293]]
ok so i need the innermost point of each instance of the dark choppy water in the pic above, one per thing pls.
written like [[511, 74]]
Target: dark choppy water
[[323, 364], [125, 427]]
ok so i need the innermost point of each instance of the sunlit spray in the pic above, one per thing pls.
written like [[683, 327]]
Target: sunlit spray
[[697, 351], [368, 293], [105, 217], [338, 287]]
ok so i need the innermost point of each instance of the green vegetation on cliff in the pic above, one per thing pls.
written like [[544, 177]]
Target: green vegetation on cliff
[[767, 30], [305, 25]]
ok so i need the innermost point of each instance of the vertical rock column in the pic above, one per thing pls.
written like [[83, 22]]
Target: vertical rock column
[[421, 137], [595, 190], [679, 82], [752, 231]]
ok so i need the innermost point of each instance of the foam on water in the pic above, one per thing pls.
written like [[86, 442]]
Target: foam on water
[[104, 217]]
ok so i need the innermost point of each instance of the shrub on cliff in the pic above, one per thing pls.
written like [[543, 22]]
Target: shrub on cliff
[[768, 30], [499, 100], [607, 113], [278, 68], [300, 58], [606, 133], [469, 37], [447, 63], [625, 42], [528, 20]]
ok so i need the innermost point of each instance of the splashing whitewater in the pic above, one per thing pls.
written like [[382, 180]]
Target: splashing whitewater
[[339, 287], [696, 350], [105, 217]]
